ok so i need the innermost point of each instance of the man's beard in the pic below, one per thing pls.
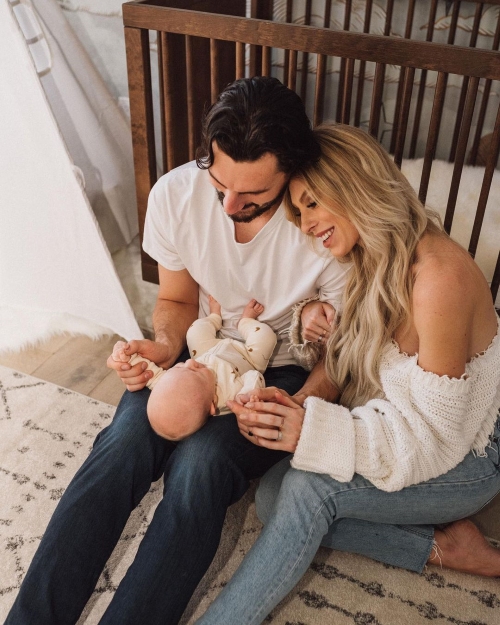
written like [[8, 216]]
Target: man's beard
[[249, 212]]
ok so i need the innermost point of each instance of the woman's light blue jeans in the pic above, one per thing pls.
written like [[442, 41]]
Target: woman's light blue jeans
[[303, 510]]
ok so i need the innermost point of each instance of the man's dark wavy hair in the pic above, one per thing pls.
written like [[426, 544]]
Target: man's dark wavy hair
[[253, 116]]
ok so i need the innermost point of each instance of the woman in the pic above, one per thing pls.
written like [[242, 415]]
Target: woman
[[415, 355]]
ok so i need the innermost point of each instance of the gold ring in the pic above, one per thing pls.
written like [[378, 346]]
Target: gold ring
[[280, 435]]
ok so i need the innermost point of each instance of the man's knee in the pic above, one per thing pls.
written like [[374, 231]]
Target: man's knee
[[129, 428]]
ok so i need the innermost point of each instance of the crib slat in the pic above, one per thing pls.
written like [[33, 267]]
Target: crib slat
[[286, 65], [340, 95], [347, 14], [433, 135], [454, 23], [368, 14], [493, 152], [421, 87], [460, 152], [465, 82], [388, 17], [214, 70], [480, 122], [328, 13], [162, 70], [409, 75], [240, 60], [319, 95], [475, 26], [378, 86], [399, 96], [345, 113], [263, 10], [409, 19], [484, 103], [292, 70], [190, 77], [305, 56], [495, 282], [378, 89], [142, 126], [362, 67], [266, 61]]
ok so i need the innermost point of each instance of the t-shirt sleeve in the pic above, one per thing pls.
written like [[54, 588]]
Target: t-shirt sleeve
[[332, 281], [160, 223]]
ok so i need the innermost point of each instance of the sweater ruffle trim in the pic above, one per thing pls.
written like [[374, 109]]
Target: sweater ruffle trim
[[306, 354], [394, 357]]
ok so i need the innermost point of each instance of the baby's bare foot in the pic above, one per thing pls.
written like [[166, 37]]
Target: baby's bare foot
[[461, 547], [252, 310], [214, 306]]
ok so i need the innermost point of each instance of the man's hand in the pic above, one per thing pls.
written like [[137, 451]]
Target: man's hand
[[135, 378], [317, 321]]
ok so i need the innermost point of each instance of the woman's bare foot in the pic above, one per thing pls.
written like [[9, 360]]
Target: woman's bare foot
[[252, 310], [214, 306], [461, 546]]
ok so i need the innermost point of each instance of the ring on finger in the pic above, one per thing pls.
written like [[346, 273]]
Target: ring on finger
[[320, 339], [280, 435]]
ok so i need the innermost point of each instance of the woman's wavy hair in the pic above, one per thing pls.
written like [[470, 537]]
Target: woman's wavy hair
[[356, 178]]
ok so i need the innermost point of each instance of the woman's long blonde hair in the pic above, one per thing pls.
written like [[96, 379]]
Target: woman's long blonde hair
[[356, 176]]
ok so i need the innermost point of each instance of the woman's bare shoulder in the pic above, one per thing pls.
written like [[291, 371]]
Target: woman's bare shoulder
[[444, 267], [451, 298]]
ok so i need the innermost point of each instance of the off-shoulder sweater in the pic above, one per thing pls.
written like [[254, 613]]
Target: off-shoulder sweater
[[424, 425]]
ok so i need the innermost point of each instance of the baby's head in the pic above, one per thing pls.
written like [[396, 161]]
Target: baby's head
[[182, 400]]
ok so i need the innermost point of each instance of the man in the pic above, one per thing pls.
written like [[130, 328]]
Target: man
[[217, 228]]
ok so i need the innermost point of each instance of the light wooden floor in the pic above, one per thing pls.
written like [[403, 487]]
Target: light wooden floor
[[79, 363], [74, 362]]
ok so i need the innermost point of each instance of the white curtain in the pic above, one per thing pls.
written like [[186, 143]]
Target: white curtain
[[53, 258]]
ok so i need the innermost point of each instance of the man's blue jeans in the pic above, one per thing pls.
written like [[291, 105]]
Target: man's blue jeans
[[303, 510], [203, 475]]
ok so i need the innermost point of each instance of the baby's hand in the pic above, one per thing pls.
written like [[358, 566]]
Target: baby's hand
[[119, 354]]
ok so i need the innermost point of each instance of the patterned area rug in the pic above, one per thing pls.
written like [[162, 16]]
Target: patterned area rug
[[47, 431]]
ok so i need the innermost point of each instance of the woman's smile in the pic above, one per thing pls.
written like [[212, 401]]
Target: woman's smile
[[335, 231]]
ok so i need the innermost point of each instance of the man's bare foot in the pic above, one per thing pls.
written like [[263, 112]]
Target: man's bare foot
[[214, 306], [252, 310], [461, 546]]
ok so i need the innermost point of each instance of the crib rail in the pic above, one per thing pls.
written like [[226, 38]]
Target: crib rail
[[353, 16], [199, 52]]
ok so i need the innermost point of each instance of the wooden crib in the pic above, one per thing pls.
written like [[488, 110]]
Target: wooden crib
[[397, 87]]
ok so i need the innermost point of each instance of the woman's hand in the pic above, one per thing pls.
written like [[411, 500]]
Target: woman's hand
[[317, 321], [273, 421]]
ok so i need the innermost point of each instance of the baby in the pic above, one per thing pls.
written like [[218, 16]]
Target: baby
[[183, 397]]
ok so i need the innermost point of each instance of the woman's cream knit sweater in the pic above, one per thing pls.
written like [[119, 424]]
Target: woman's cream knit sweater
[[423, 426]]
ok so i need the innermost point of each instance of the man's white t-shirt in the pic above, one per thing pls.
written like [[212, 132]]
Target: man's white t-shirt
[[187, 228]]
